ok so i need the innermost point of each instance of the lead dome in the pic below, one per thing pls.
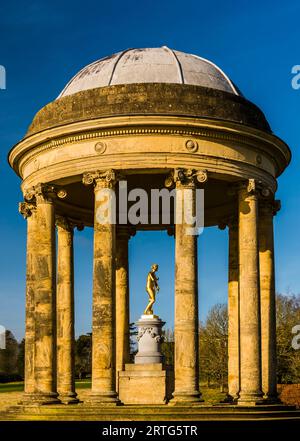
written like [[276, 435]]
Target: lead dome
[[150, 65]]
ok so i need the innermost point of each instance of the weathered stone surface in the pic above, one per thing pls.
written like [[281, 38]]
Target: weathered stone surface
[[104, 341], [149, 340], [133, 99], [267, 300], [40, 337], [83, 412], [29, 387], [122, 301], [186, 305], [145, 384], [45, 303], [65, 313], [233, 312], [250, 325]]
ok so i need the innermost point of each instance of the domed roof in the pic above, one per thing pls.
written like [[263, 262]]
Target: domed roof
[[150, 65]]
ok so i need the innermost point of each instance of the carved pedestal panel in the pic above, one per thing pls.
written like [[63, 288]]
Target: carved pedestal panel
[[149, 340]]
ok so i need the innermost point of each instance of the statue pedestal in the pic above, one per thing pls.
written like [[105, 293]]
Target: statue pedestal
[[147, 381], [149, 340]]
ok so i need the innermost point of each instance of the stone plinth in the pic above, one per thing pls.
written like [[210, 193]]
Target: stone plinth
[[145, 384], [149, 340]]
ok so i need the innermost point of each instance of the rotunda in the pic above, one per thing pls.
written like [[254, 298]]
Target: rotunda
[[149, 118]]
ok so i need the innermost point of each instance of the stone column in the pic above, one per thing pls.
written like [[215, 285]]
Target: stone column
[[233, 311], [104, 341], [186, 294], [250, 326], [28, 210], [44, 286], [65, 313], [267, 209], [122, 300]]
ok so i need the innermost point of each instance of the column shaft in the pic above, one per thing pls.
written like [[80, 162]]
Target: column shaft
[[104, 341], [29, 212], [186, 303], [122, 302], [45, 303], [268, 308], [233, 313], [65, 313], [250, 327]]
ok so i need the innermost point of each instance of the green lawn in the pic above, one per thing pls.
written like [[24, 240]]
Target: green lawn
[[210, 395], [18, 386], [83, 384]]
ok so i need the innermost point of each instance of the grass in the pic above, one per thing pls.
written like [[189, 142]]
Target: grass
[[83, 384], [18, 386], [290, 394], [210, 395]]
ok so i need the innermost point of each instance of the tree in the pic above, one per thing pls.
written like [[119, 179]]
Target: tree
[[133, 332], [288, 359], [213, 336], [21, 358], [9, 355], [167, 347], [83, 355]]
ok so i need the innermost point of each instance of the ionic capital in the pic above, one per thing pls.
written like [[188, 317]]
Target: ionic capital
[[63, 223], [269, 207], [26, 209], [186, 177], [42, 193], [67, 224], [100, 179], [255, 188]]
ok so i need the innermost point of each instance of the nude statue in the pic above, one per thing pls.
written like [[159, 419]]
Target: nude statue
[[152, 288]]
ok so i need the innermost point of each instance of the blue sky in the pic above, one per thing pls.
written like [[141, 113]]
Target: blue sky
[[43, 44]]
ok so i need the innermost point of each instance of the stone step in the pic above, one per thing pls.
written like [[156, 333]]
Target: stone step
[[148, 413]]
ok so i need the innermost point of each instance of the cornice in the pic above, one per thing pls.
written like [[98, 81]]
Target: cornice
[[201, 129]]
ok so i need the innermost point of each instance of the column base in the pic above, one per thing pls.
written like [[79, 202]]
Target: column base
[[231, 399], [186, 399], [69, 398], [103, 399], [250, 399], [40, 398], [272, 399]]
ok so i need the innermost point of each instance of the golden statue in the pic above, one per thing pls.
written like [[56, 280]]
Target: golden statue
[[152, 288]]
